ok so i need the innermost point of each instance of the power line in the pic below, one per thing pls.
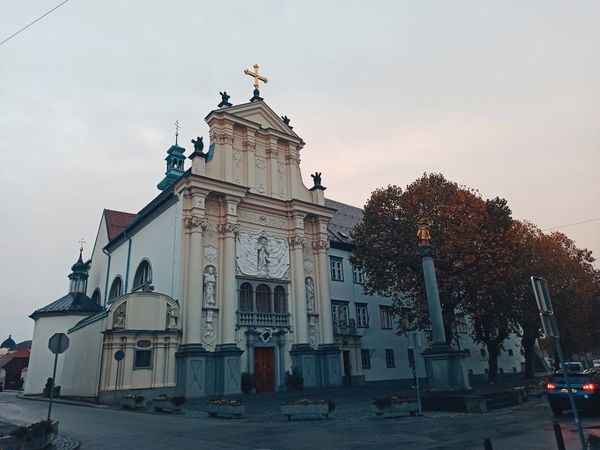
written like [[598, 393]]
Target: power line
[[572, 224], [36, 20]]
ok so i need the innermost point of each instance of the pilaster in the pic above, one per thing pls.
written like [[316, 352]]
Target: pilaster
[[228, 230], [272, 152], [320, 247]]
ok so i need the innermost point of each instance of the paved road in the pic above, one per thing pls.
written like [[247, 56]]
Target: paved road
[[525, 427]]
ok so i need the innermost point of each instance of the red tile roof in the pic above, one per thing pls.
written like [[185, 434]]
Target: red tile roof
[[117, 221], [4, 360]]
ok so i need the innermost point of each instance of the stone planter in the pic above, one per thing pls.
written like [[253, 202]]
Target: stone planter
[[30, 442], [396, 409], [165, 405], [224, 410], [137, 402], [312, 409]]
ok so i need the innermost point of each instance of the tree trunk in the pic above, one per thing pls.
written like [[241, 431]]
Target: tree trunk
[[493, 352], [528, 343]]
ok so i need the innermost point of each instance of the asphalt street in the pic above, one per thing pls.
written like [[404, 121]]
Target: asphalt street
[[528, 426]]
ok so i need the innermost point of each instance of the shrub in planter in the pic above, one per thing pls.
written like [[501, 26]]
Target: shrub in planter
[[247, 382], [168, 403], [330, 404], [220, 407], [294, 381], [132, 401]]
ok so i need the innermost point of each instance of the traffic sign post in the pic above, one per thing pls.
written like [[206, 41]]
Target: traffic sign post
[[119, 356], [57, 344], [542, 297]]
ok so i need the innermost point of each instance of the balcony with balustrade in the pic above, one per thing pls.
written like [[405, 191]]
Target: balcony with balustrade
[[263, 319]]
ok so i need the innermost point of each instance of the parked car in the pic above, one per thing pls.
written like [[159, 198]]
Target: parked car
[[596, 362], [585, 386]]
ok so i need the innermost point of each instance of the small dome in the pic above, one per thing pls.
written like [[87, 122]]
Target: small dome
[[79, 266], [9, 343]]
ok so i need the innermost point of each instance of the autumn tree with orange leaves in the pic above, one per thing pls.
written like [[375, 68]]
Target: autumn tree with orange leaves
[[473, 253]]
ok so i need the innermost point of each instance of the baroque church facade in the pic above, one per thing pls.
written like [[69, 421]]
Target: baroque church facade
[[236, 266]]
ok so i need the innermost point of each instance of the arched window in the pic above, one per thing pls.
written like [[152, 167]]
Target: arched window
[[143, 275], [246, 297], [279, 299], [116, 289], [96, 296], [263, 299]]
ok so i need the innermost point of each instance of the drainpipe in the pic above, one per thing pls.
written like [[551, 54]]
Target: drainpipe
[[107, 277], [128, 260]]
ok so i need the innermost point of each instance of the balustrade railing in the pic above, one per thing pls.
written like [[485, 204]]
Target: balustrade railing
[[259, 319]]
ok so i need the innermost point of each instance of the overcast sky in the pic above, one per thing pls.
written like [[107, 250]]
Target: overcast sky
[[500, 96]]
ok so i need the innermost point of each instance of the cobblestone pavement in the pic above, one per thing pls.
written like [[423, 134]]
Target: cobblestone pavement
[[64, 443]]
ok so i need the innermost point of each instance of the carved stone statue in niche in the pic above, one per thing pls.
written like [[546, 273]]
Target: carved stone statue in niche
[[172, 316], [310, 294], [119, 316], [210, 285]]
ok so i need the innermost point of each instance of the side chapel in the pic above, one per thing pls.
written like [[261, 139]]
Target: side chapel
[[225, 271]]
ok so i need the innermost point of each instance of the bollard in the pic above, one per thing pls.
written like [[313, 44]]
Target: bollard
[[487, 444], [560, 443]]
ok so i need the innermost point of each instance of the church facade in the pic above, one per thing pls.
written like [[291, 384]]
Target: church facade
[[236, 266]]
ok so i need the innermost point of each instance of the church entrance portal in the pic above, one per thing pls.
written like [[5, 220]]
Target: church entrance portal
[[264, 369]]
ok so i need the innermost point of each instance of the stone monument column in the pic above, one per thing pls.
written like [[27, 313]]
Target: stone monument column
[[445, 367]]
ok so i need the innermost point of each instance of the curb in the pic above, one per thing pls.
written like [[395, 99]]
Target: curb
[[59, 400]]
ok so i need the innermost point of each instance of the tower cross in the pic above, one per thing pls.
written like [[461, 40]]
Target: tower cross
[[176, 131], [256, 76], [81, 242]]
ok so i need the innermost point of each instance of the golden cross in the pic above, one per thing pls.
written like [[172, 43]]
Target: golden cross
[[81, 242], [256, 76]]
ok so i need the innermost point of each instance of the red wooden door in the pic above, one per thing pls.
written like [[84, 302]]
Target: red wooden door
[[264, 369]]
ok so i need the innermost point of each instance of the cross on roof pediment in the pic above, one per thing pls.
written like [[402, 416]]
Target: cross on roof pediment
[[259, 113]]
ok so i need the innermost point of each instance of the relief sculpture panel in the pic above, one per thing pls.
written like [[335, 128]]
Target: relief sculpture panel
[[261, 255]]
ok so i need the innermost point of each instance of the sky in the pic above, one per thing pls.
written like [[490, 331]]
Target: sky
[[499, 96]]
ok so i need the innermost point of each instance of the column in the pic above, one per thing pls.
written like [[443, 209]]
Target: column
[[272, 158], [194, 225], [228, 297], [320, 248], [300, 320], [433, 301]]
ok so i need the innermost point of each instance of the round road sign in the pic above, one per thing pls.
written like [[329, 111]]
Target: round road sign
[[119, 355]]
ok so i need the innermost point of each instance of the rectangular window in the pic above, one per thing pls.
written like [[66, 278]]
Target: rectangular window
[[407, 322], [340, 317], [468, 350], [482, 352], [386, 317], [357, 275], [362, 316], [143, 359], [461, 324], [337, 269], [510, 352], [365, 356], [389, 358]]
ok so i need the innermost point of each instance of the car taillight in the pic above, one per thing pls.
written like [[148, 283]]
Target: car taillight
[[589, 387], [550, 386]]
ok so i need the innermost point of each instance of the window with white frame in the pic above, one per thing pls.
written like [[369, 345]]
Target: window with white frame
[[386, 317], [365, 358], [143, 275], [337, 268], [357, 275], [339, 313], [116, 289], [389, 358], [362, 315]]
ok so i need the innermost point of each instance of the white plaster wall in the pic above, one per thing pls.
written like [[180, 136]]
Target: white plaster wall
[[159, 242], [97, 272], [81, 367], [41, 360]]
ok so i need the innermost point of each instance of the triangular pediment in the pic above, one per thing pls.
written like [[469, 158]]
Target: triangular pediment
[[259, 113]]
